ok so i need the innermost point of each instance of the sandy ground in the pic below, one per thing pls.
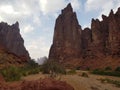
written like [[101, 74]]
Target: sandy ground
[[82, 83]]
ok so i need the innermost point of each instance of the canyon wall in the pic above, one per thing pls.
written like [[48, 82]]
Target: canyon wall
[[95, 47], [12, 44]]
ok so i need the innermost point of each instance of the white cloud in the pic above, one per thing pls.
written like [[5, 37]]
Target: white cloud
[[103, 6], [36, 20], [76, 4], [8, 9], [38, 47], [28, 14], [28, 29], [51, 6], [95, 4]]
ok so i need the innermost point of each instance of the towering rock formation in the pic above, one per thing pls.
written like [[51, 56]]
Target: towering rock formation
[[67, 36], [95, 47], [106, 35], [104, 49], [11, 41]]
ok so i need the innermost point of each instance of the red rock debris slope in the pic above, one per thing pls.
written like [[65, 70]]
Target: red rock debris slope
[[42, 84]]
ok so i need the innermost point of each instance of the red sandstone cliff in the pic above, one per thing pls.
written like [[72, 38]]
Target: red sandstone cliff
[[67, 36], [95, 47], [12, 50]]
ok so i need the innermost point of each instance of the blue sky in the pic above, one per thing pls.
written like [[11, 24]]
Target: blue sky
[[37, 18]]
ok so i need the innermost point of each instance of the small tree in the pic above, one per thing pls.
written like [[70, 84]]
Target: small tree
[[53, 68], [32, 63]]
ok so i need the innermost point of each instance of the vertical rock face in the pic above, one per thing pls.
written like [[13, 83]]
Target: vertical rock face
[[98, 46], [114, 33], [67, 36], [11, 40], [106, 35]]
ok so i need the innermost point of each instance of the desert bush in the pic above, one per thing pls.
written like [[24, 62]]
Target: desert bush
[[109, 73], [11, 73], [84, 74], [53, 68], [32, 64], [30, 68]]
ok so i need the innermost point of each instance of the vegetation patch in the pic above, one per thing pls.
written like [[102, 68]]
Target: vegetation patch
[[31, 68], [13, 73], [53, 68], [104, 72]]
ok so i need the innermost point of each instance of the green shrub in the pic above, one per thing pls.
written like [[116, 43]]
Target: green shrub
[[11, 73], [109, 73], [30, 68], [15, 73], [117, 69], [27, 70], [32, 64], [84, 74]]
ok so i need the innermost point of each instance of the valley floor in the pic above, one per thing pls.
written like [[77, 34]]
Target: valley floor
[[82, 83]]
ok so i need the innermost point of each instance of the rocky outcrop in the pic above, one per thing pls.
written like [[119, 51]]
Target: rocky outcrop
[[42, 84], [91, 47], [11, 42], [67, 36]]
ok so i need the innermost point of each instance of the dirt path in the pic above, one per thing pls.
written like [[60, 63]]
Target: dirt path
[[82, 83]]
